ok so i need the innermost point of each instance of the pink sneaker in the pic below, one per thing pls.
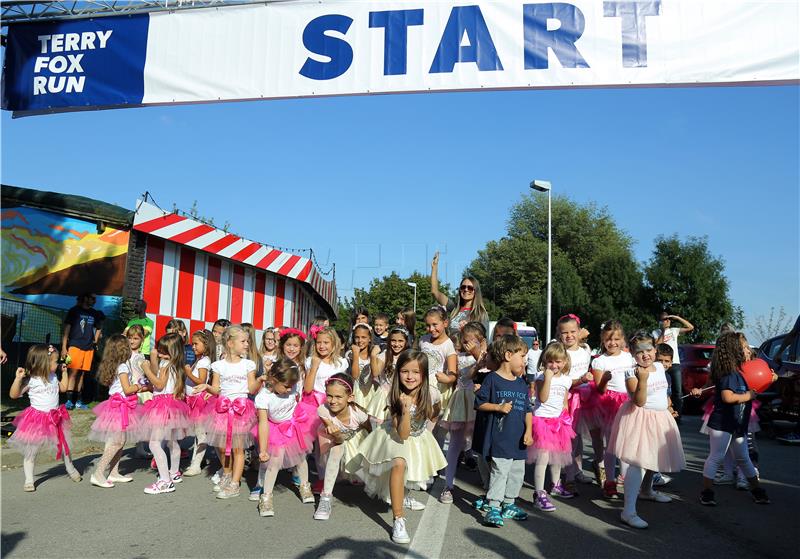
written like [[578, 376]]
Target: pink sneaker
[[160, 486]]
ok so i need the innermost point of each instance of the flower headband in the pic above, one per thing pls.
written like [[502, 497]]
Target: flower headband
[[571, 316], [400, 329], [293, 332], [339, 379], [314, 330]]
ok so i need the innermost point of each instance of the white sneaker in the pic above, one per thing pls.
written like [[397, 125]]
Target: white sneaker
[[723, 479], [323, 511], [660, 480], [656, 496], [216, 477], [742, 484], [399, 532], [634, 521], [192, 471], [412, 504], [160, 486]]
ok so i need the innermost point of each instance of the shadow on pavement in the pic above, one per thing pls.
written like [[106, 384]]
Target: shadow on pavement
[[10, 541]]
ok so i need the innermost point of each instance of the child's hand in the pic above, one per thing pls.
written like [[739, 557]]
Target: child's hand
[[263, 456], [548, 373], [21, 373], [588, 377], [505, 407], [443, 378], [606, 376], [376, 350], [435, 262], [696, 392], [356, 350], [332, 430], [200, 388], [407, 401], [528, 438], [162, 355], [476, 387], [774, 376], [642, 373]]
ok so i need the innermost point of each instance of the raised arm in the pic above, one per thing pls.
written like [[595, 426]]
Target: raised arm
[[440, 297], [687, 326]]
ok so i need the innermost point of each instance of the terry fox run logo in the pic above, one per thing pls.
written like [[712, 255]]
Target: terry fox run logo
[[58, 68]]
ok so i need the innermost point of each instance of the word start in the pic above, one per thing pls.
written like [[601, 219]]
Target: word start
[[64, 71], [466, 38]]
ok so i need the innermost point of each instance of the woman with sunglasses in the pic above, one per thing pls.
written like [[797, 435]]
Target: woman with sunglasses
[[470, 302]]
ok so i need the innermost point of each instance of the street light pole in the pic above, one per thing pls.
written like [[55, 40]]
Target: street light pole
[[545, 186], [414, 285]]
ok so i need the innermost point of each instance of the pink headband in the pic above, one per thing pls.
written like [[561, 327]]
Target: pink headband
[[293, 331], [337, 379], [571, 317], [316, 329]]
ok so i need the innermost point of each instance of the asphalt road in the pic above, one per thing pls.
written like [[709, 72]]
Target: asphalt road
[[63, 519]]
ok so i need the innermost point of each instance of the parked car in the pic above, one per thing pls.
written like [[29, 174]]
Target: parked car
[[695, 369], [780, 409]]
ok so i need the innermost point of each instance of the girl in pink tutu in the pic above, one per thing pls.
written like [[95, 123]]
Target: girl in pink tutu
[[118, 417], [44, 424], [325, 361], [165, 418], [344, 425], [609, 376], [202, 404], [552, 425], [229, 426], [582, 400], [644, 434], [286, 431]]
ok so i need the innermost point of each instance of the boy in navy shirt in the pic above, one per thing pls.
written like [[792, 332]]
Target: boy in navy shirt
[[504, 394]]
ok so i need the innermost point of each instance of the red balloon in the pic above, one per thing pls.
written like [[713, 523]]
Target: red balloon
[[757, 374]]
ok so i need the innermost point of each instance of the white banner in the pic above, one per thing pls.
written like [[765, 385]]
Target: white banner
[[303, 49]]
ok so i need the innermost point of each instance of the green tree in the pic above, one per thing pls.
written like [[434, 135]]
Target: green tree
[[594, 272], [685, 279], [389, 295]]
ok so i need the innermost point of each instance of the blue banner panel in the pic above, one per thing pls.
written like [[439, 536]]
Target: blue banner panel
[[83, 63]]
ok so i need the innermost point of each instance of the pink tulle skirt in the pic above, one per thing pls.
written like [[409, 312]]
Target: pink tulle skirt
[[609, 404], [118, 419], [291, 440], [37, 429], [647, 438], [753, 424], [584, 405], [200, 406], [552, 439], [164, 418], [230, 423]]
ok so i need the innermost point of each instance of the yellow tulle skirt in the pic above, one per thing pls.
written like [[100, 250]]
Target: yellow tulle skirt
[[378, 451]]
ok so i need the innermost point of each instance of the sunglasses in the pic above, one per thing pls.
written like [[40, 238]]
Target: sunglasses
[[467, 288]]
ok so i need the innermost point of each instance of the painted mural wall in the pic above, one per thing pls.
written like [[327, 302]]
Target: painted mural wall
[[48, 259]]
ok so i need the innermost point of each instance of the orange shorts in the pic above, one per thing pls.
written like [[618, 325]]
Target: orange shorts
[[81, 358]]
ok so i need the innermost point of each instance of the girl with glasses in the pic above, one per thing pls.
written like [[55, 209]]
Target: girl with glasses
[[468, 308]]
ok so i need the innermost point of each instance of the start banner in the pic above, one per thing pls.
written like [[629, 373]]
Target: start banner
[[305, 49]]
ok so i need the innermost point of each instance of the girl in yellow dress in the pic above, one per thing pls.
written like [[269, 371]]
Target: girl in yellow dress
[[403, 451]]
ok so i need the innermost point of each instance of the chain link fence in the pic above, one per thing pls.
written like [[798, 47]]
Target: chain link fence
[[24, 324]]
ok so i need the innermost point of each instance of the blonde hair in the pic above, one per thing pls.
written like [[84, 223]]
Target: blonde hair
[[231, 332], [172, 345], [252, 350], [37, 362], [116, 352], [555, 351], [336, 342]]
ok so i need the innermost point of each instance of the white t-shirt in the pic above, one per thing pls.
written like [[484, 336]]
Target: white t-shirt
[[618, 365], [437, 354], [326, 371], [43, 394], [671, 339], [656, 388], [136, 368], [559, 386], [357, 417], [579, 359], [233, 377], [279, 408], [532, 365], [169, 388], [202, 363], [116, 386]]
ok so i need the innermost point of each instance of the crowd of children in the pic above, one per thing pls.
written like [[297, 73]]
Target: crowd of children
[[394, 411]]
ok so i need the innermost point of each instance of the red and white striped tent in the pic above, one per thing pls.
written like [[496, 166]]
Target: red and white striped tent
[[199, 273]]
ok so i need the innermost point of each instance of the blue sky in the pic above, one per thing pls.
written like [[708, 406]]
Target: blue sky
[[379, 183]]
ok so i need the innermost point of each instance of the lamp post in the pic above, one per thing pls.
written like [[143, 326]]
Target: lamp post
[[414, 285], [545, 186]]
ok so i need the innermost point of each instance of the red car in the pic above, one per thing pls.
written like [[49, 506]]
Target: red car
[[695, 368]]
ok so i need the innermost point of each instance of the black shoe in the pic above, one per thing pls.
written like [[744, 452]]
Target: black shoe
[[470, 463], [760, 496], [707, 498]]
